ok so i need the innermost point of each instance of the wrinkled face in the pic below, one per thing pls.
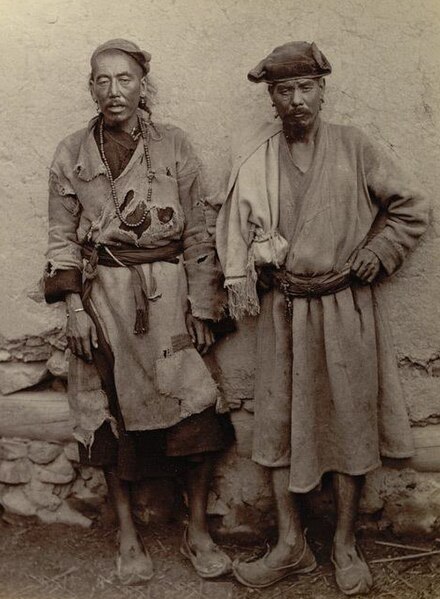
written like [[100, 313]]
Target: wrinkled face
[[298, 101], [116, 85]]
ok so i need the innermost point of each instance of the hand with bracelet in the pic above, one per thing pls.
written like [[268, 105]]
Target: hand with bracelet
[[80, 329]]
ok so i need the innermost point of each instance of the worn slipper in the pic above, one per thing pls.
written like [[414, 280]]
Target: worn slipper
[[210, 564], [139, 570], [355, 579], [258, 574]]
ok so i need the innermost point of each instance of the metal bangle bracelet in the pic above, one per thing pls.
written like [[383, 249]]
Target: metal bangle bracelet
[[75, 310]]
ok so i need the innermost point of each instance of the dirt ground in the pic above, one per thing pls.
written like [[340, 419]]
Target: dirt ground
[[60, 562]]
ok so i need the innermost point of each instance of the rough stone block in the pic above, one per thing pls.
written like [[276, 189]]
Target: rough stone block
[[13, 449], [86, 472], [58, 472], [43, 453], [15, 500], [15, 376], [41, 494], [79, 490], [248, 405], [42, 415], [15, 472], [423, 393], [417, 514], [234, 403], [58, 364], [410, 500], [63, 491], [71, 451], [96, 483], [241, 482], [64, 515], [216, 506]]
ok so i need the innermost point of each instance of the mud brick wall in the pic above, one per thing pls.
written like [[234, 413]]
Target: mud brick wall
[[385, 80]]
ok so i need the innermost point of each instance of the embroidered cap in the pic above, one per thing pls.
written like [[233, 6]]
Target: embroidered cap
[[140, 56], [293, 60]]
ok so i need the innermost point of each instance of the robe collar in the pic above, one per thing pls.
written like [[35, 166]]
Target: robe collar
[[89, 164]]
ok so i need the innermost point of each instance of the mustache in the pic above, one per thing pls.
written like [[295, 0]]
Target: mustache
[[298, 113]]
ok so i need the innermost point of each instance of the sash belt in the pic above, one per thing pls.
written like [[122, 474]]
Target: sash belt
[[310, 286], [130, 257]]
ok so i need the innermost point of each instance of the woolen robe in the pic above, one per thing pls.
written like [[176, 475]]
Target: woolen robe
[[160, 377], [327, 390]]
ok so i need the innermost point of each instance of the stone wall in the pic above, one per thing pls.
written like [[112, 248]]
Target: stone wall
[[385, 80]]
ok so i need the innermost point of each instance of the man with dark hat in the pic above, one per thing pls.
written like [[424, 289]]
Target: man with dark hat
[[315, 214]]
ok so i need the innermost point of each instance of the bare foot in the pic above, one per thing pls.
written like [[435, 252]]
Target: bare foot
[[284, 554], [345, 552], [208, 560], [133, 563], [353, 576]]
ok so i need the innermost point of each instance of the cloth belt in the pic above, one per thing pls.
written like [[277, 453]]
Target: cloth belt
[[130, 257], [310, 286]]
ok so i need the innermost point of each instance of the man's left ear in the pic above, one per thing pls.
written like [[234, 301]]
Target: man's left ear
[[91, 90], [321, 84], [144, 85]]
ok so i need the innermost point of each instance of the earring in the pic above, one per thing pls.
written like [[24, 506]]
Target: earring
[[143, 103], [276, 115]]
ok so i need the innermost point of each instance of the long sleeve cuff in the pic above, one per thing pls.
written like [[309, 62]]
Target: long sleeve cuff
[[61, 282], [206, 294]]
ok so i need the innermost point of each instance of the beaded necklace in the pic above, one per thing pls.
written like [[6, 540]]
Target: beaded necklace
[[145, 133]]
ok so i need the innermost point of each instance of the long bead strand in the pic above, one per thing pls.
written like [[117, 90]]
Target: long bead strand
[[150, 173]]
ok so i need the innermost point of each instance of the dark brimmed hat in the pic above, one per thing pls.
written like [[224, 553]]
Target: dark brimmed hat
[[140, 56], [293, 60]]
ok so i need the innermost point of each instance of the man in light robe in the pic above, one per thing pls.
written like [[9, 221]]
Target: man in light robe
[[132, 255], [317, 213]]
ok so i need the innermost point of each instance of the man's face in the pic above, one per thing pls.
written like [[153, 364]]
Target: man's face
[[117, 83], [298, 101]]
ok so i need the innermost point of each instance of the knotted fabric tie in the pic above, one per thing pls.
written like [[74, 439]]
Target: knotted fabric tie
[[132, 258]]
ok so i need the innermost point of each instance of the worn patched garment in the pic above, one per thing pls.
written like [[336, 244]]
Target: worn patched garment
[[327, 390], [160, 377]]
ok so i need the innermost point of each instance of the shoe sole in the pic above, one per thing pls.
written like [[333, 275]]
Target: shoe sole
[[188, 555], [246, 583]]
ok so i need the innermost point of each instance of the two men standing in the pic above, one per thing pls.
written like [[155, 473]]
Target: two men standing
[[315, 213]]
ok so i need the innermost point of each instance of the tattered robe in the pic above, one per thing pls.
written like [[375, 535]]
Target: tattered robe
[[327, 390], [159, 376]]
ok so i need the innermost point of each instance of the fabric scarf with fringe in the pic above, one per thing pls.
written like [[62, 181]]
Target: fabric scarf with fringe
[[249, 217]]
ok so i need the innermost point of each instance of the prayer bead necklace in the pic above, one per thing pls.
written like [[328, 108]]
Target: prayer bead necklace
[[145, 132]]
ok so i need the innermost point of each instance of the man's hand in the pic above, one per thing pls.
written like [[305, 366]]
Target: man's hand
[[201, 334], [80, 329], [366, 265]]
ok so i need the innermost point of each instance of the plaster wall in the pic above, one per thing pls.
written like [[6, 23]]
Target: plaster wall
[[385, 80]]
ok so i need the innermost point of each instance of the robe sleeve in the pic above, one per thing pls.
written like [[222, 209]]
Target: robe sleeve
[[63, 272], [206, 295], [404, 206]]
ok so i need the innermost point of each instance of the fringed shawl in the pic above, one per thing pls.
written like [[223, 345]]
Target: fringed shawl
[[247, 222]]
